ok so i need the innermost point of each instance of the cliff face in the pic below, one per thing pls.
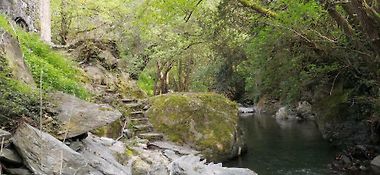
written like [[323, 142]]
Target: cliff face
[[23, 12]]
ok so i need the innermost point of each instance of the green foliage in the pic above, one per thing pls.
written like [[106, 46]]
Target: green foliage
[[58, 72], [146, 83]]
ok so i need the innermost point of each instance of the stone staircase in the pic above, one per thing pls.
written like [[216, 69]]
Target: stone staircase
[[141, 127]]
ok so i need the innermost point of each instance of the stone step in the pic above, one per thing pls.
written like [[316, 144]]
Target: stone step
[[137, 114], [151, 136], [127, 100], [134, 106], [143, 128], [139, 121]]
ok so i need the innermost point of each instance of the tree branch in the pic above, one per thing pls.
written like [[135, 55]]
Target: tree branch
[[258, 9]]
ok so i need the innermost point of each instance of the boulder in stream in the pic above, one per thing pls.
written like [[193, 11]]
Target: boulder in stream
[[207, 122]]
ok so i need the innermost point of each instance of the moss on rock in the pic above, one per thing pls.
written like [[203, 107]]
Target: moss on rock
[[205, 121]]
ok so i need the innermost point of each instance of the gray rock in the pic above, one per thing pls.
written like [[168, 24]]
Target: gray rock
[[101, 158], [45, 155], [246, 110], [304, 109], [192, 165], [22, 11], [10, 156], [4, 135], [78, 116], [171, 146], [376, 161], [109, 60], [151, 162], [285, 114], [11, 51]]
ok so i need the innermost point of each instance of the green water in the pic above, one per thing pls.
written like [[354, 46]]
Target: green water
[[283, 147]]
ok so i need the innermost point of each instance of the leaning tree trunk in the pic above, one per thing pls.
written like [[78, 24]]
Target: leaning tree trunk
[[45, 20]]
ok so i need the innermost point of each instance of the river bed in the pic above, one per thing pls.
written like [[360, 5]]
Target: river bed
[[277, 147]]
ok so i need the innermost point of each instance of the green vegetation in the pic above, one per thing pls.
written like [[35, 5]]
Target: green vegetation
[[16, 99], [58, 73], [205, 121]]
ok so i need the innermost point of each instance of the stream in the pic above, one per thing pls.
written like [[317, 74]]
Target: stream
[[277, 147]]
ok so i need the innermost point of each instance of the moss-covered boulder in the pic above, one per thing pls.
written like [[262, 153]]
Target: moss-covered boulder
[[207, 122]]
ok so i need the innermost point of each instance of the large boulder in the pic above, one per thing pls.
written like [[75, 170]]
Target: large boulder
[[76, 116], [11, 51], [205, 121], [43, 154]]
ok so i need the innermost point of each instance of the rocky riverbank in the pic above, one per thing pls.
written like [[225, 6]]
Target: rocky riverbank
[[357, 139], [31, 151]]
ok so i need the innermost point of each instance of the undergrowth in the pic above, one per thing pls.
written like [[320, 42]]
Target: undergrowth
[[58, 73]]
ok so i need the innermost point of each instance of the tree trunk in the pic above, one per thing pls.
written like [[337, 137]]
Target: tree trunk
[[65, 22], [45, 20]]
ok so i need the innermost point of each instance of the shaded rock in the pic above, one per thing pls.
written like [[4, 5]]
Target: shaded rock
[[43, 154], [192, 165], [77, 116], [206, 122], [10, 156], [101, 158], [11, 51], [19, 171], [304, 110]]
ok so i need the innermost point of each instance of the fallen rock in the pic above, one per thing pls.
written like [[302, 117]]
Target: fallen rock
[[206, 122], [101, 158], [77, 116], [10, 156], [43, 154], [192, 165]]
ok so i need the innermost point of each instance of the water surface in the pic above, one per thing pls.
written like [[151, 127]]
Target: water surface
[[277, 147]]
